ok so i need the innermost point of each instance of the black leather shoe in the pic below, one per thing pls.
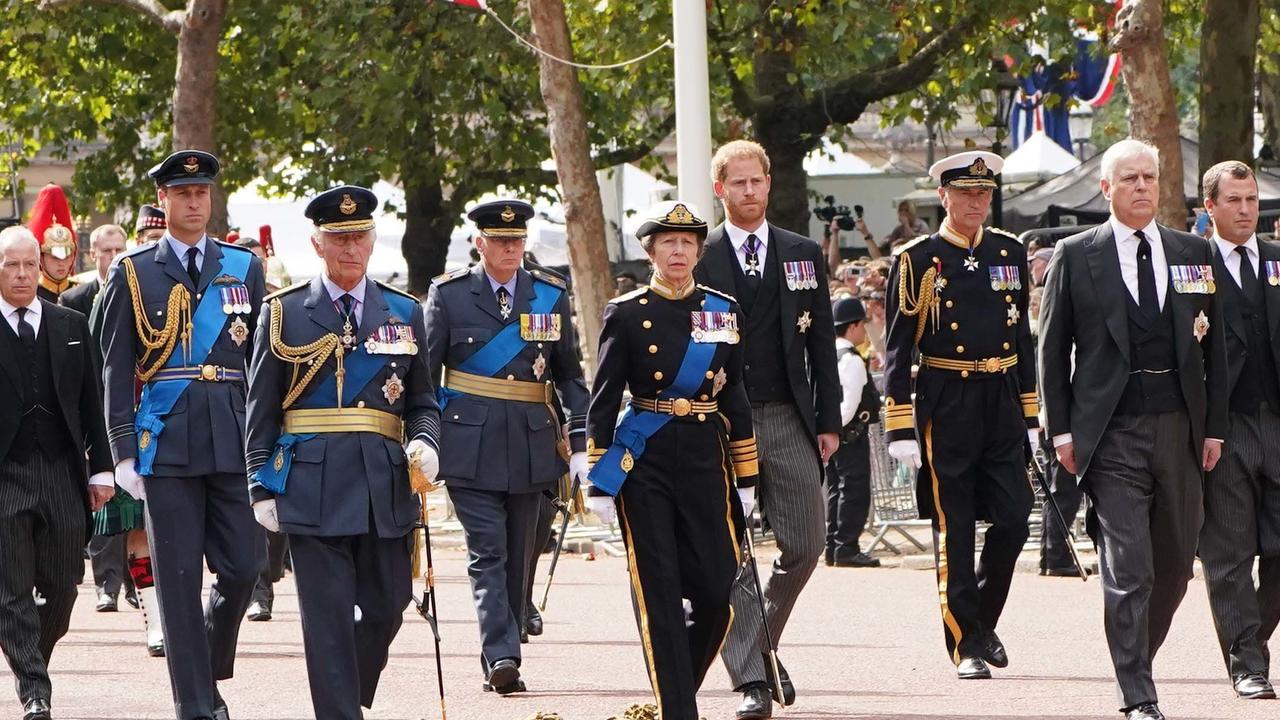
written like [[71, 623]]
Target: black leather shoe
[[36, 709], [1254, 686], [788, 690], [756, 703], [131, 597], [1068, 572], [504, 678], [994, 652], [830, 557], [219, 706], [1145, 711], [259, 611], [973, 669], [533, 621], [857, 560], [106, 602]]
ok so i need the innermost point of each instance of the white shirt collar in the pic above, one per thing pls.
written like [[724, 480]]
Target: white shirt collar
[[8, 309], [1124, 233], [336, 292], [738, 236], [1228, 248], [842, 343]]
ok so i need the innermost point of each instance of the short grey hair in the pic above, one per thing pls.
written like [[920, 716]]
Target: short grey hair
[[1124, 150], [16, 235], [101, 230]]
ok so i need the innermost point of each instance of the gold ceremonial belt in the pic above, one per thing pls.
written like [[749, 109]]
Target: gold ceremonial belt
[[497, 388], [335, 420], [204, 373], [678, 407], [986, 365]]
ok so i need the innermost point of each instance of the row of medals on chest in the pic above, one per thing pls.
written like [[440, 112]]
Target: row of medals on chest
[[1003, 278]]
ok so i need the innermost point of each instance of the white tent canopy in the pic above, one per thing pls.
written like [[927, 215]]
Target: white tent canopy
[[1037, 158]]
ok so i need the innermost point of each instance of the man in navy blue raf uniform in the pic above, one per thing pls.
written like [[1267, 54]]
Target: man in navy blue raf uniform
[[338, 382], [179, 315], [503, 337]]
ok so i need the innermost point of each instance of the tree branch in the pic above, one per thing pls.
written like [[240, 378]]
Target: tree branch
[[742, 99], [845, 100], [153, 10]]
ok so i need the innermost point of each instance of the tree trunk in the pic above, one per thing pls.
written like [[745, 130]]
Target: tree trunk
[[1269, 103], [580, 191], [427, 229], [195, 90], [1153, 109], [1228, 47], [789, 193]]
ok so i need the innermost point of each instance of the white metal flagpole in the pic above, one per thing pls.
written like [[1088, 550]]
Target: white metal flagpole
[[693, 105]]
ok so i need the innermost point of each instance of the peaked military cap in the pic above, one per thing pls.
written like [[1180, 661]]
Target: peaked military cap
[[186, 167], [673, 215], [344, 209], [975, 168], [507, 218], [150, 216]]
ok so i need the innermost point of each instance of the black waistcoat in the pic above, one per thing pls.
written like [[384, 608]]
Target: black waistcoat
[[43, 426], [1151, 348], [765, 367], [1257, 381]]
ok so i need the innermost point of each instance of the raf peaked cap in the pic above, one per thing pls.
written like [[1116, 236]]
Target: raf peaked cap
[[186, 167], [344, 209], [847, 311], [976, 168], [150, 216], [672, 216], [502, 218]]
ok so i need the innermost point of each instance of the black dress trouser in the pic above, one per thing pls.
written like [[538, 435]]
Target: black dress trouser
[[848, 496]]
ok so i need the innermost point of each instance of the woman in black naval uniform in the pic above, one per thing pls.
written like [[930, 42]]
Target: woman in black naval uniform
[[673, 461]]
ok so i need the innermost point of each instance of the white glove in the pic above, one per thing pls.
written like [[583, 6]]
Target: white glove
[[747, 496], [1033, 437], [906, 452], [578, 467], [427, 458], [265, 513], [129, 480], [602, 507]]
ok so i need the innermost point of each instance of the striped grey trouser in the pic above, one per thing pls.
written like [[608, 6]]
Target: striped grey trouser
[[1241, 521], [791, 497]]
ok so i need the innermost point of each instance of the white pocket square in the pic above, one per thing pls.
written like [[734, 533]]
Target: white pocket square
[[73, 342]]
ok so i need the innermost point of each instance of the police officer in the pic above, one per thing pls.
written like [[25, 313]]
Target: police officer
[[338, 381], [503, 338], [178, 315], [958, 299], [52, 225], [849, 472], [672, 462]]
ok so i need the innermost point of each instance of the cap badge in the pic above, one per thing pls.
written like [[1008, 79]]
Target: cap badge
[[508, 214], [979, 167], [348, 206], [192, 165], [680, 215]]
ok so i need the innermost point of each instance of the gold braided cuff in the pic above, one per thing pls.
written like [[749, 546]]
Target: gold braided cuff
[[1030, 404], [898, 416], [745, 457]]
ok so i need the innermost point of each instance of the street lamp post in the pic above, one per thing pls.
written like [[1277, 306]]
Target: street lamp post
[[1006, 86], [1080, 122]]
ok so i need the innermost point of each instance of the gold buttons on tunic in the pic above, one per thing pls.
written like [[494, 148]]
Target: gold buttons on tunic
[[702, 417], [960, 348], [1008, 298], [511, 377], [937, 259], [1006, 346], [703, 397], [653, 349], [951, 303], [710, 375], [964, 373], [360, 404], [644, 301], [647, 324], [955, 326], [1004, 253], [657, 375]]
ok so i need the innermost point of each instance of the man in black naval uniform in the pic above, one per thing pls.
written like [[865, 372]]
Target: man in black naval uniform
[[1242, 494], [179, 316], [957, 305], [338, 382], [503, 339], [1134, 378]]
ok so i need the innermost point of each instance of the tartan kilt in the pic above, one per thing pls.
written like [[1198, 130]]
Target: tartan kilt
[[122, 513]]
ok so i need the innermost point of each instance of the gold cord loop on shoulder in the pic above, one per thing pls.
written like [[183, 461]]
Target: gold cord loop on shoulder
[[919, 304], [313, 355], [157, 345]]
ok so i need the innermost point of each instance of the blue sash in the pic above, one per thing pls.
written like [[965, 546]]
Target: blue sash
[[636, 428], [158, 397], [506, 345], [360, 368]]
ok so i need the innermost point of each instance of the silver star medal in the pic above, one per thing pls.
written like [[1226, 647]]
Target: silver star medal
[[539, 366], [392, 389], [238, 331], [1200, 327], [804, 322], [718, 382], [971, 264], [1014, 314]]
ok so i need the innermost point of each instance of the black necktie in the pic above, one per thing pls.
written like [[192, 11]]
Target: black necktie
[[504, 301], [192, 270], [1248, 276], [1148, 301], [348, 311], [26, 333]]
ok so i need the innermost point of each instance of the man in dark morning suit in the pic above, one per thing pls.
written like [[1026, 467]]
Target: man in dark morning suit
[[780, 281], [324, 453], [180, 448], [51, 424], [1142, 415], [1242, 494], [502, 339]]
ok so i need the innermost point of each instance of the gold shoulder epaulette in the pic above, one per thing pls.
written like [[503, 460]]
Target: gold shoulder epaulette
[[1005, 233], [631, 295], [549, 277], [285, 290], [909, 244], [396, 290], [714, 291], [450, 276]]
